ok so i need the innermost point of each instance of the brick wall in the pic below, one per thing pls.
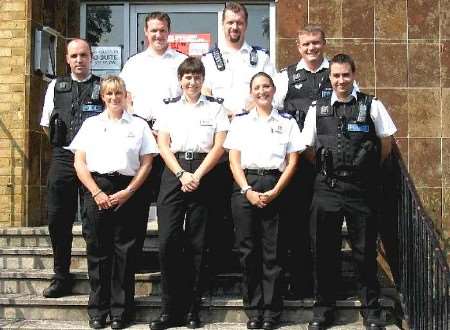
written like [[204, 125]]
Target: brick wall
[[13, 39]]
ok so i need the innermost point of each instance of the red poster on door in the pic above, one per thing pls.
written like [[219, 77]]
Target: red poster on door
[[192, 44]]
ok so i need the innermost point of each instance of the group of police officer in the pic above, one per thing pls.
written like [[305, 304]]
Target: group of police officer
[[346, 135]]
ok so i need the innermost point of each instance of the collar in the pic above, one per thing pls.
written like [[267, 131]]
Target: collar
[[353, 94], [83, 80], [168, 53], [200, 100], [126, 116], [302, 65], [274, 115], [246, 48]]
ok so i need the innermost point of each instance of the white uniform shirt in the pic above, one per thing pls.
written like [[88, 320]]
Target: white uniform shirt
[[384, 126], [192, 126], [281, 80], [114, 145], [263, 142], [233, 83], [49, 100], [150, 78]]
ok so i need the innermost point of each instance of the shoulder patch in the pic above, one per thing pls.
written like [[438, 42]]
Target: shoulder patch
[[214, 99], [285, 115], [171, 100], [264, 50]]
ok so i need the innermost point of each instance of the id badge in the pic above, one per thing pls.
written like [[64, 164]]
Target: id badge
[[91, 108], [358, 128]]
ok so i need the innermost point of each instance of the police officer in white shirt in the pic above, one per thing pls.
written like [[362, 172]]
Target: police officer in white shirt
[[150, 77], [263, 150], [352, 135], [230, 68], [191, 132], [113, 156]]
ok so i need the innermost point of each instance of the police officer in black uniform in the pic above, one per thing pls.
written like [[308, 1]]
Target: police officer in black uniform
[[68, 102], [298, 85], [352, 135]]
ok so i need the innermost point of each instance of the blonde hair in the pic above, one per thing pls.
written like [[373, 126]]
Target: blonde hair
[[112, 83]]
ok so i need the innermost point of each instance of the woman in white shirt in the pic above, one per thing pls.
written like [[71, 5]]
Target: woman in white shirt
[[263, 151], [113, 156]]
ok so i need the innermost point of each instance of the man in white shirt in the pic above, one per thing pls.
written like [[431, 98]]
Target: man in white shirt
[[352, 135], [150, 77], [230, 68]]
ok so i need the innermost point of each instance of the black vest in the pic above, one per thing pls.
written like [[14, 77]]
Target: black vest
[[347, 133], [303, 88], [74, 102]]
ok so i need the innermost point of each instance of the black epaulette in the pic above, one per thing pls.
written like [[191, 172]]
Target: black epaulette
[[265, 50], [171, 100], [214, 99], [285, 115], [242, 114]]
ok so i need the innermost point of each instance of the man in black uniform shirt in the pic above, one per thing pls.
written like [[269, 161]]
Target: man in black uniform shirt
[[68, 102], [297, 86], [352, 135]]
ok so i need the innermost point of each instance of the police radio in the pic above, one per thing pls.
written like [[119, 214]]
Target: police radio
[[218, 59], [253, 57]]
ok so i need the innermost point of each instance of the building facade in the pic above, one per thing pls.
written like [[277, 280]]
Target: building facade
[[401, 48]]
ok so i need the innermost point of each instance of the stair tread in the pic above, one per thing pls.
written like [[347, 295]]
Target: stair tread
[[214, 301], [83, 325]]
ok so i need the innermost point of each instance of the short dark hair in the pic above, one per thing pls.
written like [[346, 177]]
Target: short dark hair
[[261, 74], [79, 39], [312, 28], [191, 65], [235, 7], [159, 15], [343, 58]]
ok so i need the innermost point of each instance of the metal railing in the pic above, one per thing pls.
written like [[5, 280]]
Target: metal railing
[[417, 259]]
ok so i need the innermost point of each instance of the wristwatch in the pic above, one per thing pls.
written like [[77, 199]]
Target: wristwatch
[[179, 174], [245, 189]]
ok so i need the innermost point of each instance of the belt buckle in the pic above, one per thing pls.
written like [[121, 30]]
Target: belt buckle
[[261, 171], [189, 155]]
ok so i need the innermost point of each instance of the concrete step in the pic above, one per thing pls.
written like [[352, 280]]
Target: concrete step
[[83, 325], [42, 258], [39, 237], [214, 309], [34, 281]]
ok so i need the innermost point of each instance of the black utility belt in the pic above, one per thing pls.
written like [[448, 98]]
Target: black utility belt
[[262, 171], [110, 175], [190, 155]]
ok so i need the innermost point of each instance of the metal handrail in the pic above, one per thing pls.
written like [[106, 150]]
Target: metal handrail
[[414, 252]]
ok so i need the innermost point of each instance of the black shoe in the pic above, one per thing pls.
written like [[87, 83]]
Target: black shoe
[[57, 289], [254, 323], [118, 323], [269, 325], [97, 323], [193, 321], [319, 324], [165, 321]]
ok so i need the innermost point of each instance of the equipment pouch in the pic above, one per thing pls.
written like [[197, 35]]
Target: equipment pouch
[[58, 131]]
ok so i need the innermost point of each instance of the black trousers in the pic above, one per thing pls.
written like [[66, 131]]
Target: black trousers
[[294, 230], [356, 201], [182, 221], [111, 249], [62, 202], [257, 233]]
